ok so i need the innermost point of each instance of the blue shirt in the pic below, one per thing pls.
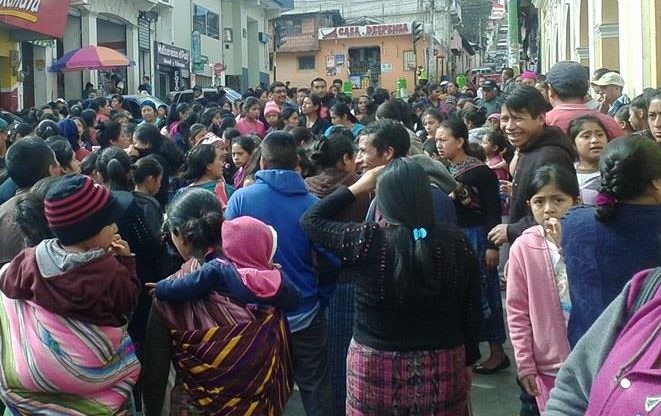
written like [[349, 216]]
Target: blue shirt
[[279, 198], [601, 257]]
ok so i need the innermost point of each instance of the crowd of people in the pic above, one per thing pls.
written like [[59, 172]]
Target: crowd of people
[[206, 257]]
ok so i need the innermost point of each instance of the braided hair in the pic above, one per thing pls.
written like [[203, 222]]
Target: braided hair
[[628, 166]]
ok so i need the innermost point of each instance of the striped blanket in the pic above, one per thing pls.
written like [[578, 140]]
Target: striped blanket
[[53, 365], [230, 359]]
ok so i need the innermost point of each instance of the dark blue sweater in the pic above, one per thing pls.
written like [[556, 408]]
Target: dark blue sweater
[[218, 274], [602, 257]]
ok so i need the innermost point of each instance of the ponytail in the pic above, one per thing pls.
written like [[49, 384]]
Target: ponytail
[[114, 165], [146, 167]]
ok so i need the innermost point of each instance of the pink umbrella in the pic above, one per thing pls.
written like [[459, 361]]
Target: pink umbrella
[[91, 57]]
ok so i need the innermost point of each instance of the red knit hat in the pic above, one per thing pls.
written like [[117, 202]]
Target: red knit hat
[[77, 209]]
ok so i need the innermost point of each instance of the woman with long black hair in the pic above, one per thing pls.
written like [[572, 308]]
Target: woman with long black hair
[[417, 306], [147, 140], [477, 202]]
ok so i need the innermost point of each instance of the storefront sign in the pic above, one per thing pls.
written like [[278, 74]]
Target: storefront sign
[[48, 17], [169, 55], [498, 11], [368, 31]]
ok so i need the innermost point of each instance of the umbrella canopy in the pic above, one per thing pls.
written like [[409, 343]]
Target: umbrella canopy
[[90, 57]]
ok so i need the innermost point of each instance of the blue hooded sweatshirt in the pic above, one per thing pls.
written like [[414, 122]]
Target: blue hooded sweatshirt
[[279, 198]]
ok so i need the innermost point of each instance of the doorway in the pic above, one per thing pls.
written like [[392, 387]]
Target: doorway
[[365, 66]]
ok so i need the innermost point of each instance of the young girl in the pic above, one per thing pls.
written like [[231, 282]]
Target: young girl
[[590, 137], [622, 118], [250, 123], [495, 144], [242, 150], [290, 117], [272, 116], [431, 121], [538, 302], [147, 175], [204, 169]]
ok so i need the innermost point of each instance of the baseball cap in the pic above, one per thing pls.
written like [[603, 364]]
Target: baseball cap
[[569, 78], [489, 85], [610, 78]]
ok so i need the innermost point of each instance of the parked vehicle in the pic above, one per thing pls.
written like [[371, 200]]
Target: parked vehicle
[[11, 118], [132, 104], [486, 73], [210, 93]]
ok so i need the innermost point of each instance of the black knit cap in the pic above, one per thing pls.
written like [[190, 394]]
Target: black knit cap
[[77, 209]]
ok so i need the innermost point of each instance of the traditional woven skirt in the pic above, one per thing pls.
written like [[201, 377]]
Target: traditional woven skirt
[[425, 383]]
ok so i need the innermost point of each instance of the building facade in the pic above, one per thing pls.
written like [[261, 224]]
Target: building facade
[[376, 55], [228, 39], [33, 23], [619, 35], [176, 43]]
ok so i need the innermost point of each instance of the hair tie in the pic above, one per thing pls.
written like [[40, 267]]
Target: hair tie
[[605, 200], [419, 233]]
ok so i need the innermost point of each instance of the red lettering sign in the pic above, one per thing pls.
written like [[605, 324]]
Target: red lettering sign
[[48, 17], [351, 32]]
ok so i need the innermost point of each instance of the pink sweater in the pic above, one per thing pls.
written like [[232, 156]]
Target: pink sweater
[[534, 317], [247, 128]]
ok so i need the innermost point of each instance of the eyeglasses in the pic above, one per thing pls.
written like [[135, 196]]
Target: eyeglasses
[[279, 91]]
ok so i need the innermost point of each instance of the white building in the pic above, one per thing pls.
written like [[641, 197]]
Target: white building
[[177, 43]]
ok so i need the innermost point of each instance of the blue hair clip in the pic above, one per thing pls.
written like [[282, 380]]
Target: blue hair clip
[[419, 233]]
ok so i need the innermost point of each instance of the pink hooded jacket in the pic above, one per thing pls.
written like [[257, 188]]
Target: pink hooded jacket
[[250, 245], [534, 316]]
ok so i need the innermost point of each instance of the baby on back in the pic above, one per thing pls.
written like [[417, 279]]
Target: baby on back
[[246, 272]]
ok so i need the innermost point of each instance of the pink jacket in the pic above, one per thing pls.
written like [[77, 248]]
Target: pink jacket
[[534, 317]]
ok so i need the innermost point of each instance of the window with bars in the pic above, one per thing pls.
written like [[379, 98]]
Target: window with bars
[[306, 62], [206, 22]]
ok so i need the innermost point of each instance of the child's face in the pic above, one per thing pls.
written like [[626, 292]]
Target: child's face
[[272, 119], [520, 127], [253, 112], [240, 156], [103, 239], [124, 141], [590, 142], [550, 202], [430, 124], [488, 147]]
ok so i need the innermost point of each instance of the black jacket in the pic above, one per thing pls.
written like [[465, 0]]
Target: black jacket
[[552, 148]]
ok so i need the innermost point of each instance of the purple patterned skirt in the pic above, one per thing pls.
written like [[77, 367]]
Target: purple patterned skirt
[[409, 383]]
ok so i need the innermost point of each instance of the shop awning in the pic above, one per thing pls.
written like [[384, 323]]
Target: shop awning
[[35, 19]]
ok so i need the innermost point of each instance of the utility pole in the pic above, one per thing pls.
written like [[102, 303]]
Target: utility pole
[[432, 30], [514, 56]]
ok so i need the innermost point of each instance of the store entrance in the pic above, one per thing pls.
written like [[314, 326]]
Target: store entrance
[[365, 67]]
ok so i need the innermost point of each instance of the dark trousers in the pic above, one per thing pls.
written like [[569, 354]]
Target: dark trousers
[[311, 367]]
